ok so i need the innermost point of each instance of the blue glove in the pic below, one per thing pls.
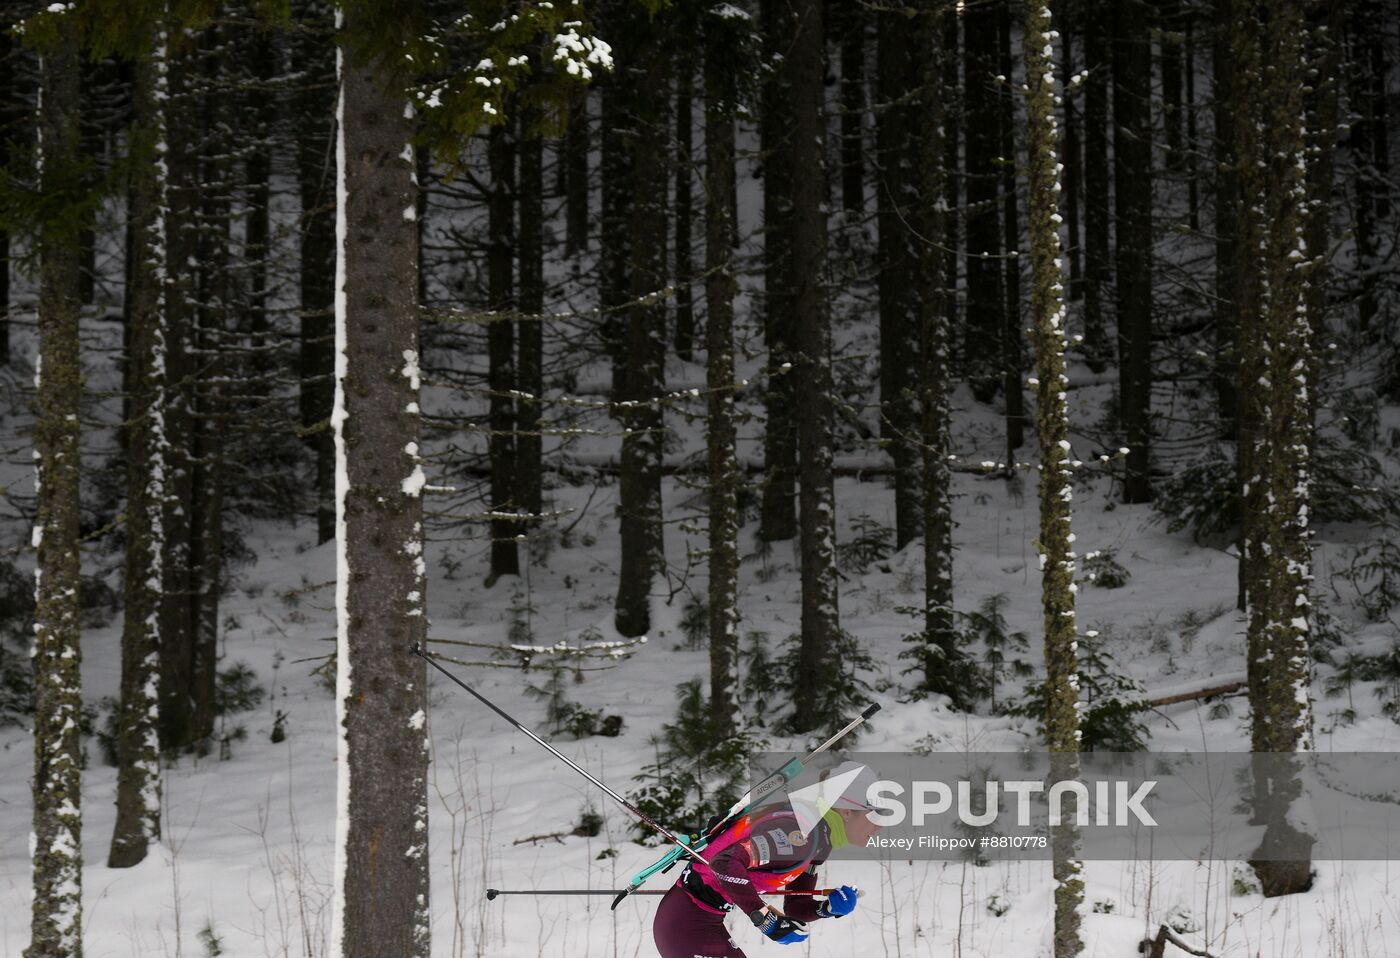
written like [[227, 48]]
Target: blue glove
[[780, 928], [840, 902]]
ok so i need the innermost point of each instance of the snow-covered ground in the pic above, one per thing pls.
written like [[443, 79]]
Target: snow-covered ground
[[247, 849]]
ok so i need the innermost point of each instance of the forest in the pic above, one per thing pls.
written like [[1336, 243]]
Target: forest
[[673, 381]]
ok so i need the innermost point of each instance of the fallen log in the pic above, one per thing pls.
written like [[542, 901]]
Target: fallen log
[[1205, 693], [1157, 947]]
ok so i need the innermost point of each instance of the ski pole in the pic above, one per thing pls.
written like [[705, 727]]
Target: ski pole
[[492, 893], [751, 798], [641, 816]]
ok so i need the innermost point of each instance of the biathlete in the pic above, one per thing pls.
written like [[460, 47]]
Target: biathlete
[[760, 854]]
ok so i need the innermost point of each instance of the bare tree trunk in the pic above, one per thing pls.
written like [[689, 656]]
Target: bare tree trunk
[[316, 180], [381, 849], [1070, 19], [1012, 352], [1370, 138], [209, 418], [1275, 349], [981, 96], [1056, 472], [721, 101], [529, 445], [1098, 18], [500, 336], [685, 161], [56, 840], [575, 161], [801, 24], [852, 23], [639, 487], [896, 203], [138, 746], [935, 319], [176, 627], [778, 513], [1132, 152]]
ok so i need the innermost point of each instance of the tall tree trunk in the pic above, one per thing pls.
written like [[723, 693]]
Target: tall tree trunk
[[1056, 472], [935, 321], [1275, 346], [257, 171], [639, 487], [500, 349], [615, 214], [778, 512], [1227, 241], [208, 415], [981, 99], [953, 113], [529, 443], [1370, 140], [138, 746], [1169, 17], [9, 108], [1098, 19], [1012, 353], [685, 161], [575, 162], [1326, 30], [721, 102], [1069, 19], [1188, 66], [896, 203], [56, 842], [1132, 154], [381, 848], [177, 627], [315, 101], [852, 23], [800, 22]]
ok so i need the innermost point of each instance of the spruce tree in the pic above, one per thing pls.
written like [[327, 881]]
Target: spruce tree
[[639, 488], [1132, 156], [56, 927], [1057, 560], [818, 670], [724, 34], [1275, 354], [382, 854], [138, 746]]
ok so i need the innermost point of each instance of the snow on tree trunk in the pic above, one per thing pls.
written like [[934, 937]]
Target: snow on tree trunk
[[720, 287], [209, 419], [56, 841], [1057, 559], [937, 644], [381, 850], [1275, 355], [177, 666], [817, 668], [138, 746]]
